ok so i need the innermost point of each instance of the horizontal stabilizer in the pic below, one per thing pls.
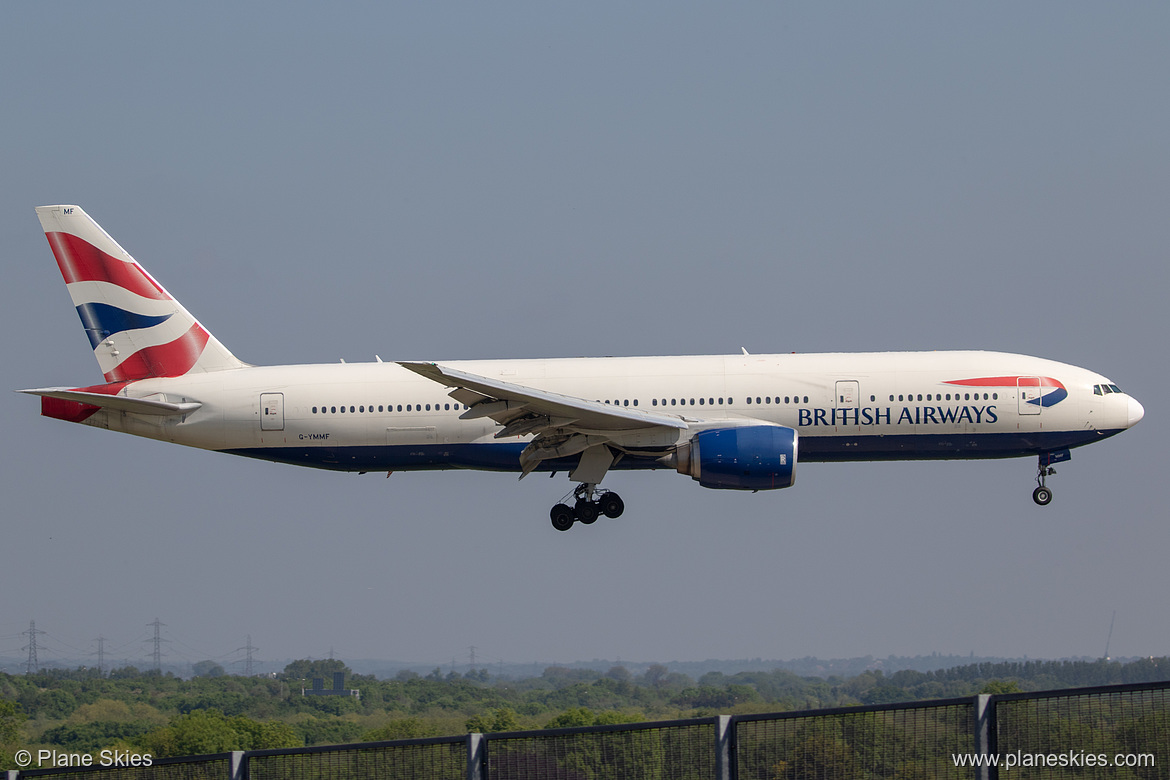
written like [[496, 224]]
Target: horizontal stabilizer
[[119, 403]]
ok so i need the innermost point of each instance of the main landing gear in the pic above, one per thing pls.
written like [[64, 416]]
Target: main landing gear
[[1042, 495], [589, 504]]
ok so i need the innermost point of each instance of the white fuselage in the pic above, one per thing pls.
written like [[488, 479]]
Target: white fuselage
[[865, 406]]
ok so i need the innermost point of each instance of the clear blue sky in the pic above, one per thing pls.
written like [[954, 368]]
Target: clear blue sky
[[469, 180]]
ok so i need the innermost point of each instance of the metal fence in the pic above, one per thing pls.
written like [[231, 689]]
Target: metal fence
[[1120, 732]]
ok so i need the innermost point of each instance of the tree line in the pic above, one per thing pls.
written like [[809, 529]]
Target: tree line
[[80, 710]]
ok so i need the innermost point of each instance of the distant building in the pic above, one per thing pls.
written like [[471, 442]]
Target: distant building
[[338, 688]]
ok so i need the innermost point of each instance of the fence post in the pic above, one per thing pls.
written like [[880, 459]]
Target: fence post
[[475, 767], [985, 735], [12, 774], [724, 747], [237, 766]]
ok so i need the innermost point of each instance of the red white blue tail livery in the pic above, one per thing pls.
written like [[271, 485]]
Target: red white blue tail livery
[[736, 421], [136, 328]]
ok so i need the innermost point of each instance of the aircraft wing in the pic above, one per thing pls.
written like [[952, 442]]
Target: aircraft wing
[[504, 402], [564, 425]]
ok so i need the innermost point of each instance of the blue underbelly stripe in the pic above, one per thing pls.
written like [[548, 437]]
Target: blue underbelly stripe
[[812, 449]]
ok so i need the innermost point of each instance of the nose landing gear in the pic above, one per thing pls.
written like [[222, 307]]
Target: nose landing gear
[[589, 505], [1042, 495]]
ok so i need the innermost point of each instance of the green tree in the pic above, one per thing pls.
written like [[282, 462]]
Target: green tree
[[494, 721], [210, 731], [1001, 686], [10, 720], [578, 716], [402, 728], [207, 669], [305, 669]]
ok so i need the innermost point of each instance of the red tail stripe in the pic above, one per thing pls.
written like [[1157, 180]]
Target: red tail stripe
[[75, 411], [81, 261], [174, 358]]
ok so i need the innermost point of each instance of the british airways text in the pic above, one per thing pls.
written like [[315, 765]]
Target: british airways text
[[907, 415]]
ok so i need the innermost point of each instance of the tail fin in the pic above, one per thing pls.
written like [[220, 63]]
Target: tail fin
[[137, 329]]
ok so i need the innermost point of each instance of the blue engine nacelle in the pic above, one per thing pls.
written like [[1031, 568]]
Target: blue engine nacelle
[[753, 457]]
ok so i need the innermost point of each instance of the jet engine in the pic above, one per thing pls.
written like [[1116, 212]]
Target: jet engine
[[752, 457]]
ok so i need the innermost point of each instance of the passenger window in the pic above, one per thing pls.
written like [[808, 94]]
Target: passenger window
[[872, 398], [995, 396], [700, 402], [749, 400], [899, 398], [806, 399], [672, 401]]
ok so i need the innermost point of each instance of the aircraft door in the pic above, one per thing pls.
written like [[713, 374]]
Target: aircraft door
[[272, 411], [1029, 394], [847, 402], [847, 394]]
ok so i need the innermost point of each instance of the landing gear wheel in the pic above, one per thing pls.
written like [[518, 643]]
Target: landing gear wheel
[[587, 511], [562, 517], [1042, 496], [611, 505]]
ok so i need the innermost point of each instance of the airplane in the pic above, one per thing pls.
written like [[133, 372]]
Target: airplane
[[736, 422]]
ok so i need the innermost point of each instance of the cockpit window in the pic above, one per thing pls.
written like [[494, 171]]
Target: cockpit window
[[1115, 388], [1097, 390]]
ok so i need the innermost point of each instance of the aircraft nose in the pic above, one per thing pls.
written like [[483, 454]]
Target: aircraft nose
[[1136, 412]]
